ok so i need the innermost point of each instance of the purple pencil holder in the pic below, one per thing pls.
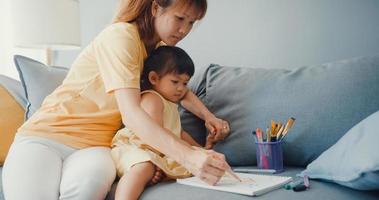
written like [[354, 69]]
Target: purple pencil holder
[[270, 155]]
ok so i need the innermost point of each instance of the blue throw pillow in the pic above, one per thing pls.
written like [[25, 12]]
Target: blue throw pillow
[[354, 160], [38, 81]]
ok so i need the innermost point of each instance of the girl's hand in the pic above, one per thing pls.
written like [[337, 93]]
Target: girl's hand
[[208, 165], [218, 130], [210, 141]]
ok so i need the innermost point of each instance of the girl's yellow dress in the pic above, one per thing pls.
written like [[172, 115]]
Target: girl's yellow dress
[[128, 149]]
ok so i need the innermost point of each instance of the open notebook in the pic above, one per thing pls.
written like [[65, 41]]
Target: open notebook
[[252, 184]]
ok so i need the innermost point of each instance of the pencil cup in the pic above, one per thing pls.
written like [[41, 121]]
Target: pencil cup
[[270, 155]]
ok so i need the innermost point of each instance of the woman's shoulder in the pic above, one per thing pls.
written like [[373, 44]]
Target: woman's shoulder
[[123, 26], [120, 30]]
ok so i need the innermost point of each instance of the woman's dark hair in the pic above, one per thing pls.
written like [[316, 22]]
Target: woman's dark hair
[[165, 60], [139, 11]]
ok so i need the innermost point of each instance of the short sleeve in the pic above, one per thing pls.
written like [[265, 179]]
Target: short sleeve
[[118, 55]]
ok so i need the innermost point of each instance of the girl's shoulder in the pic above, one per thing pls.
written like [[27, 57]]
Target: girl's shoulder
[[153, 100], [152, 94]]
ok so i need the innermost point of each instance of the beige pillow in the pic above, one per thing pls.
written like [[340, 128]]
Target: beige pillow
[[11, 117]]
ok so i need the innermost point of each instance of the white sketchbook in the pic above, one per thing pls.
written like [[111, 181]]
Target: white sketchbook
[[252, 184]]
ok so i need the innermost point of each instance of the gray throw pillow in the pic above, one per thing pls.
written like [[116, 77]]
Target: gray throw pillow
[[38, 81], [353, 161], [15, 88], [190, 122], [326, 100]]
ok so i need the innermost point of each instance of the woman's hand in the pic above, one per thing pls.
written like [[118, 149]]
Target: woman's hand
[[208, 165], [218, 130]]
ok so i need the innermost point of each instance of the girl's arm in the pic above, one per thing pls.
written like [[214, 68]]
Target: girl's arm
[[193, 104], [208, 166], [188, 138], [153, 106], [217, 127]]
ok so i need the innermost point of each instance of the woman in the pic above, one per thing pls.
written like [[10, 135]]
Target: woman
[[62, 151]]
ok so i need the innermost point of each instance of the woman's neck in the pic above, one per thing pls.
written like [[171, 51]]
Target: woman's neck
[[151, 45]]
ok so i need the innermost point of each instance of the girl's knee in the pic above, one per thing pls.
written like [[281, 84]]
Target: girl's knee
[[144, 169], [144, 166]]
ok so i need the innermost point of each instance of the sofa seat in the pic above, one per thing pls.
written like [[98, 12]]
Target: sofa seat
[[318, 191], [1, 184]]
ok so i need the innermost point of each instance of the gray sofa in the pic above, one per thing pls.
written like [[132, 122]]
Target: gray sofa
[[326, 100]]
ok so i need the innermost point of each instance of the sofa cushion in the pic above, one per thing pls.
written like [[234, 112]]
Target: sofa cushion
[[11, 112], [190, 122], [353, 161], [326, 100], [38, 80]]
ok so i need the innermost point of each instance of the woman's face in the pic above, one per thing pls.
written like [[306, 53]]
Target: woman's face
[[172, 24]]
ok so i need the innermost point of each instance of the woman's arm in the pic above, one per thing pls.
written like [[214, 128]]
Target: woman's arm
[[209, 167]]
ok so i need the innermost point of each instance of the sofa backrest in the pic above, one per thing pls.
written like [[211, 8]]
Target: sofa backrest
[[326, 100], [12, 109]]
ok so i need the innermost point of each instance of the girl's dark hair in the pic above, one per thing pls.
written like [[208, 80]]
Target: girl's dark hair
[[165, 60]]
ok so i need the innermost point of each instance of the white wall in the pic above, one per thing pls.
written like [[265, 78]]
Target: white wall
[[5, 41], [284, 33], [264, 33], [7, 50], [94, 16]]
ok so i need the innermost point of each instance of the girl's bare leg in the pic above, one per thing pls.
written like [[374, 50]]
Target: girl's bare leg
[[132, 184]]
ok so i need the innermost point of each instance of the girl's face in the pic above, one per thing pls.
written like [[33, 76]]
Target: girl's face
[[172, 24], [171, 86]]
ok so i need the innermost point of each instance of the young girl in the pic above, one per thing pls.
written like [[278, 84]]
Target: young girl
[[163, 83], [62, 151]]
